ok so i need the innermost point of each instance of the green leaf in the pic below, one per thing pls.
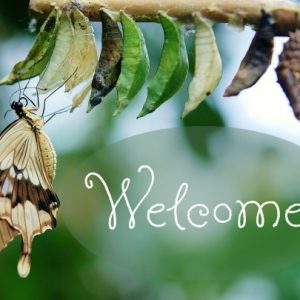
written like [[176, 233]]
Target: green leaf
[[172, 69], [58, 68], [208, 64], [40, 53], [135, 63], [84, 54], [109, 65]]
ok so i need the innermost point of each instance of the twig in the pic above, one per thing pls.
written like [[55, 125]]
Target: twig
[[285, 12]]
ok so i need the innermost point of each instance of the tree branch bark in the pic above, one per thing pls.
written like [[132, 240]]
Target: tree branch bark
[[285, 12]]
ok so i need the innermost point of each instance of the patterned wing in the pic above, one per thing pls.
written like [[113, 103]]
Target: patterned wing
[[28, 204], [7, 234]]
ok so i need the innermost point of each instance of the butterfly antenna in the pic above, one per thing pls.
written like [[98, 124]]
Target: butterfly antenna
[[58, 112], [9, 110], [27, 83], [20, 89], [37, 96], [62, 110], [17, 91], [37, 88], [28, 99], [10, 98], [60, 86], [26, 87]]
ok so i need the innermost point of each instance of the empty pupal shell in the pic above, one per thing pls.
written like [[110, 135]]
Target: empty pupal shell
[[257, 59], [208, 64], [58, 68], [84, 55], [40, 53]]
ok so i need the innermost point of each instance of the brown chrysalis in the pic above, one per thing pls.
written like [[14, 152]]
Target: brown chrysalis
[[288, 71], [257, 59], [109, 65]]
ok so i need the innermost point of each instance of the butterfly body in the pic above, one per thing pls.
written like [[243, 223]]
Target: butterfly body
[[48, 154], [46, 148], [28, 203]]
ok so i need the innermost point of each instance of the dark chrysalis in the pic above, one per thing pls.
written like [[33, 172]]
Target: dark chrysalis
[[257, 59], [109, 65], [288, 71]]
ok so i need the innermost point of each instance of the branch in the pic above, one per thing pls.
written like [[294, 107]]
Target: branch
[[285, 12]]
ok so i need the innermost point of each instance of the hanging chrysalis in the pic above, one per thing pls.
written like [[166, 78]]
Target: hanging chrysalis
[[57, 70], [40, 53], [173, 66], [135, 63], [288, 71], [257, 59], [109, 65], [208, 64], [84, 53]]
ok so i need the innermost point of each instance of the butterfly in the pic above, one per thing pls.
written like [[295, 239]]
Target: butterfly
[[28, 202]]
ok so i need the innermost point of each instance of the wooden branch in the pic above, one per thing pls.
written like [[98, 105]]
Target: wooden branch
[[286, 13]]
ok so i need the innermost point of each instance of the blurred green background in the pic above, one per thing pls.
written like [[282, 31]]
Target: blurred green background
[[62, 268]]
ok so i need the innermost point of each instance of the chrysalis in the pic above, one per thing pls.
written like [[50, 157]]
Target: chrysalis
[[58, 69], [208, 64], [257, 59], [109, 65], [288, 71], [173, 66], [84, 55], [28, 203], [135, 63], [40, 53]]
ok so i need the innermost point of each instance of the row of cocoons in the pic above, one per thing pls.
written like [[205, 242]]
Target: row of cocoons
[[64, 52]]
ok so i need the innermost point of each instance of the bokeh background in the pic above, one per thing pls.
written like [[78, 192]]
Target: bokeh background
[[63, 267]]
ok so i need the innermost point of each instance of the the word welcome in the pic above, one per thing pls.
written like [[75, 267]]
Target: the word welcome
[[203, 211]]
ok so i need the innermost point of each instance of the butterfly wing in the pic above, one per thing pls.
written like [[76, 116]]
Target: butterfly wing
[[7, 234], [28, 203]]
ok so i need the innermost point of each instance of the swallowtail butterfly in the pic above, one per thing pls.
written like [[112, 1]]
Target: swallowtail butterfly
[[28, 203]]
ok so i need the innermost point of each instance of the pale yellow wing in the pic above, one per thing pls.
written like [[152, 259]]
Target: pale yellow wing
[[7, 234], [27, 201]]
